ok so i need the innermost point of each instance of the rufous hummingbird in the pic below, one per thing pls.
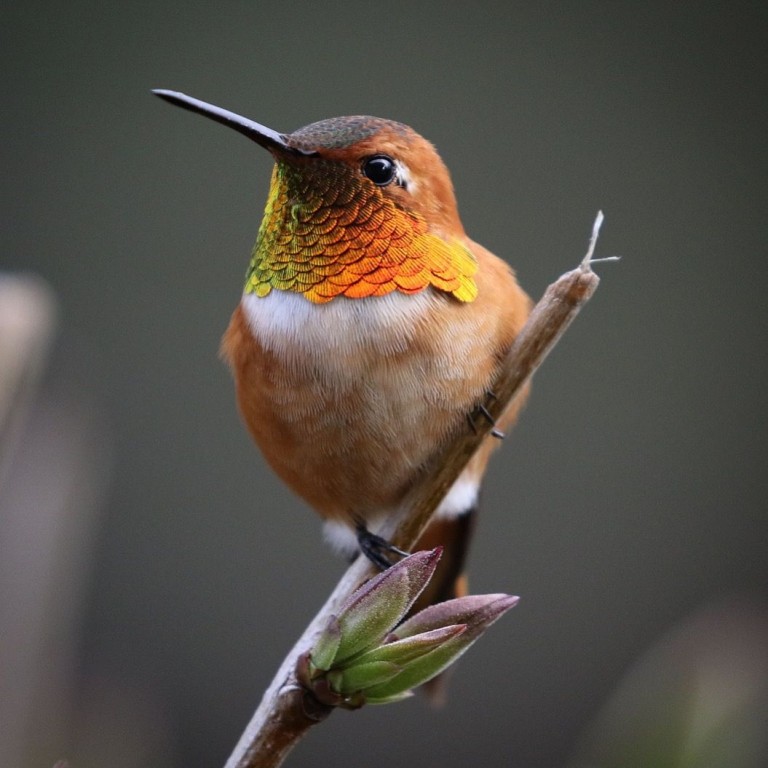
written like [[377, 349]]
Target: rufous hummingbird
[[369, 329]]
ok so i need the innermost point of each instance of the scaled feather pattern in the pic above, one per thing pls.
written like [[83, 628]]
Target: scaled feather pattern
[[324, 236]]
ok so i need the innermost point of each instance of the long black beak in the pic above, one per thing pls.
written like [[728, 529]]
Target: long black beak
[[265, 137]]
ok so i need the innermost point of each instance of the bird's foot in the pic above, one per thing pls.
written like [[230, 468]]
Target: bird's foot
[[482, 411], [376, 548]]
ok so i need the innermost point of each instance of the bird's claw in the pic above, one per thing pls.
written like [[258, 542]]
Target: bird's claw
[[482, 410], [376, 548]]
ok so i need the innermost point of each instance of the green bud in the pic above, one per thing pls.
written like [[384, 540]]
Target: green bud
[[374, 609], [477, 612], [404, 651], [327, 644], [362, 676], [362, 655]]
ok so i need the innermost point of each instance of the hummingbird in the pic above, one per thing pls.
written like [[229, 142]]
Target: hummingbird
[[369, 330]]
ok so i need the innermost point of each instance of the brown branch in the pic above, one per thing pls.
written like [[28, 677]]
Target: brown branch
[[285, 713]]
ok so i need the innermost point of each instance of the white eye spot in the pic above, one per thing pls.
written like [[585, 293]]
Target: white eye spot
[[404, 176]]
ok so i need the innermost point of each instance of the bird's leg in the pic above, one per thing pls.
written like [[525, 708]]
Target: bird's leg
[[376, 548], [482, 410]]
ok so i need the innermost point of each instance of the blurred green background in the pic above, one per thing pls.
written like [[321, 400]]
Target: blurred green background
[[633, 493]]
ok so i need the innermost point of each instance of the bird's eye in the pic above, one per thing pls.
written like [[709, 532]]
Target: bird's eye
[[380, 169]]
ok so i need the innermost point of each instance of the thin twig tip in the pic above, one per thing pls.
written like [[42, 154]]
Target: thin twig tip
[[587, 260]]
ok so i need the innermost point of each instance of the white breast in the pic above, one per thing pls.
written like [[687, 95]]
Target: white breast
[[289, 324], [352, 332]]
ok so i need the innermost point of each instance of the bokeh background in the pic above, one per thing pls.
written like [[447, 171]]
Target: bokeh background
[[155, 572]]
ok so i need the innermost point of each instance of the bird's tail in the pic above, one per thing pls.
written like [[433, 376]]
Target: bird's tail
[[450, 580], [454, 535]]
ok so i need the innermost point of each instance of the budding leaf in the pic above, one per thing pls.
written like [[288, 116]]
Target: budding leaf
[[406, 650], [362, 655], [363, 676], [374, 609], [327, 644], [478, 612]]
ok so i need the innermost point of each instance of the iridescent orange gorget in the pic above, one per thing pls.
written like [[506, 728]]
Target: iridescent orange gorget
[[324, 236]]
